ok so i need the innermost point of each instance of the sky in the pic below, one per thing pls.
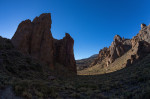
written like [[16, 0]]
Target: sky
[[91, 23]]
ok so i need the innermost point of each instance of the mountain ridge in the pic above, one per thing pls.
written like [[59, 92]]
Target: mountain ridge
[[136, 47]]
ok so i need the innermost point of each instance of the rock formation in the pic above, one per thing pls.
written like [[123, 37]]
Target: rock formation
[[120, 46], [144, 34], [35, 39], [63, 52], [141, 49], [103, 53]]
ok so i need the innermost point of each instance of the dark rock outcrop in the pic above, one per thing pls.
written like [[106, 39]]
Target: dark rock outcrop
[[63, 52], [141, 49], [35, 39], [140, 44]]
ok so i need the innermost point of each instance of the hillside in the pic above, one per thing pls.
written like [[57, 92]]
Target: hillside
[[127, 83], [23, 76], [121, 53], [118, 64], [85, 63]]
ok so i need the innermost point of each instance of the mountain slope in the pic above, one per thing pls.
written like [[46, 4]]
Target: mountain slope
[[121, 53], [101, 68], [28, 79], [128, 83], [85, 63]]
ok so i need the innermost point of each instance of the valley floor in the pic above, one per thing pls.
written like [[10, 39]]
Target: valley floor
[[22, 76], [130, 82]]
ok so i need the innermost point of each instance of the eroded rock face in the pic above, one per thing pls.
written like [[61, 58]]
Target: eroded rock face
[[139, 45], [103, 53], [118, 47], [63, 52], [35, 38], [143, 35], [141, 49]]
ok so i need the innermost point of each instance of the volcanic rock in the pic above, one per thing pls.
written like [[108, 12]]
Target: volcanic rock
[[63, 52], [35, 39], [141, 49], [118, 47], [103, 53], [143, 35]]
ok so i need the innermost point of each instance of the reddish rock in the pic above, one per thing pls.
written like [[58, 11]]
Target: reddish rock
[[118, 47], [139, 44], [21, 38], [103, 53], [63, 52], [35, 38]]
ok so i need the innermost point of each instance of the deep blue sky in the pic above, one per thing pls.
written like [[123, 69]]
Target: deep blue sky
[[92, 23]]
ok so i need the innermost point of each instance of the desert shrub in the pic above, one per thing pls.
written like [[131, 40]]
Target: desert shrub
[[36, 67], [27, 88], [27, 95], [10, 69], [75, 95]]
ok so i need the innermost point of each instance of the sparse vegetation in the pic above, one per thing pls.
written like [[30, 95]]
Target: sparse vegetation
[[30, 79]]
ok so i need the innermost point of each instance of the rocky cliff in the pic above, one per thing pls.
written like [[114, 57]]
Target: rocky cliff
[[117, 48], [121, 45], [35, 39]]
